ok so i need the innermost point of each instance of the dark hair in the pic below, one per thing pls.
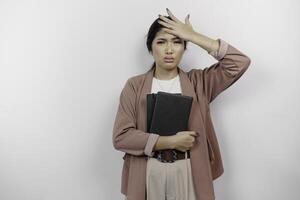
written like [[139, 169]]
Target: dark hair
[[154, 28]]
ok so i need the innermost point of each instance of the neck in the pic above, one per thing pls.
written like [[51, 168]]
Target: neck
[[165, 74]]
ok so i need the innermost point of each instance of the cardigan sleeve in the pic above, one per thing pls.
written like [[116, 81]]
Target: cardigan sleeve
[[126, 137], [214, 79]]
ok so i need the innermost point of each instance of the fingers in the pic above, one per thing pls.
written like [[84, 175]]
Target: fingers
[[170, 31], [165, 24], [193, 133], [167, 20], [187, 132], [172, 16], [187, 18]]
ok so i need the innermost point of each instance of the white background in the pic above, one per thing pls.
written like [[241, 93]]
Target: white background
[[63, 65]]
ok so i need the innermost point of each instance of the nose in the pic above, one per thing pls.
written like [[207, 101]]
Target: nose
[[169, 48]]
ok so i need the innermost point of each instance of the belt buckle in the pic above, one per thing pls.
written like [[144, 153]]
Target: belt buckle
[[174, 157]]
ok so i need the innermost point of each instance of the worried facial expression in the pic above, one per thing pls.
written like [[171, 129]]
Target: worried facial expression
[[167, 50]]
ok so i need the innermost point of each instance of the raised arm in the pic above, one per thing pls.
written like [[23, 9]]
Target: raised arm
[[219, 76], [214, 79]]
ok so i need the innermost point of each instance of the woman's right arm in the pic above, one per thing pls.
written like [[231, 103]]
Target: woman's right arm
[[182, 141], [126, 137], [129, 139], [164, 142]]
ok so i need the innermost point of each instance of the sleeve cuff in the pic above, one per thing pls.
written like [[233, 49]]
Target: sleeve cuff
[[150, 144], [221, 52]]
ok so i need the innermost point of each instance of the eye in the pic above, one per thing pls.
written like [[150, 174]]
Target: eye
[[178, 42], [160, 42]]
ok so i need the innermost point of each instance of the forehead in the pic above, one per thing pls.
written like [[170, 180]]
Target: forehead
[[164, 35]]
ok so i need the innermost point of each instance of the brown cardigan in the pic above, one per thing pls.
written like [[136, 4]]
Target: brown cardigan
[[129, 131]]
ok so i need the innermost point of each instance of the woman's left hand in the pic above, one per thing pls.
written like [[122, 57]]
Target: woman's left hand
[[176, 27]]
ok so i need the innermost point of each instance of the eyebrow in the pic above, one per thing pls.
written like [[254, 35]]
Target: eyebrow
[[174, 38]]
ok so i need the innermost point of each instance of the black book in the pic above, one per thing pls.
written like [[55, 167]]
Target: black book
[[168, 113]]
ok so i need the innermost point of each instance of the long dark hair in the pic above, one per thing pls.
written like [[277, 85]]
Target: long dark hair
[[154, 28]]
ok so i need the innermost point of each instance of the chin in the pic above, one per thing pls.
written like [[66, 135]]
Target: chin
[[170, 65]]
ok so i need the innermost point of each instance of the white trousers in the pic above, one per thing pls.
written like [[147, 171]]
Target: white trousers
[[169, 181]]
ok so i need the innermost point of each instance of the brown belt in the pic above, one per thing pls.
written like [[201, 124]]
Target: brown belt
[[170, 155]]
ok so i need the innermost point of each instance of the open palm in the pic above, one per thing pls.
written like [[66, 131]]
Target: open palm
[[176, 27]]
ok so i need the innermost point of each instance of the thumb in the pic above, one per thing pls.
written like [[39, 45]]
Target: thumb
[[193, 133]]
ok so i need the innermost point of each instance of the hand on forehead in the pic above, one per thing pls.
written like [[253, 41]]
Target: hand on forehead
[[163, 32]]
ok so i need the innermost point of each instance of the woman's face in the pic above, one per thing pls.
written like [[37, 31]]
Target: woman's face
[[167, 50]]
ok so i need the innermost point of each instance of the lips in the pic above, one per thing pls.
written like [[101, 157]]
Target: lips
[[168, 59]]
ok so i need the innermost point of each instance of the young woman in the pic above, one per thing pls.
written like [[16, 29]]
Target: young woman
[[182, 166]]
